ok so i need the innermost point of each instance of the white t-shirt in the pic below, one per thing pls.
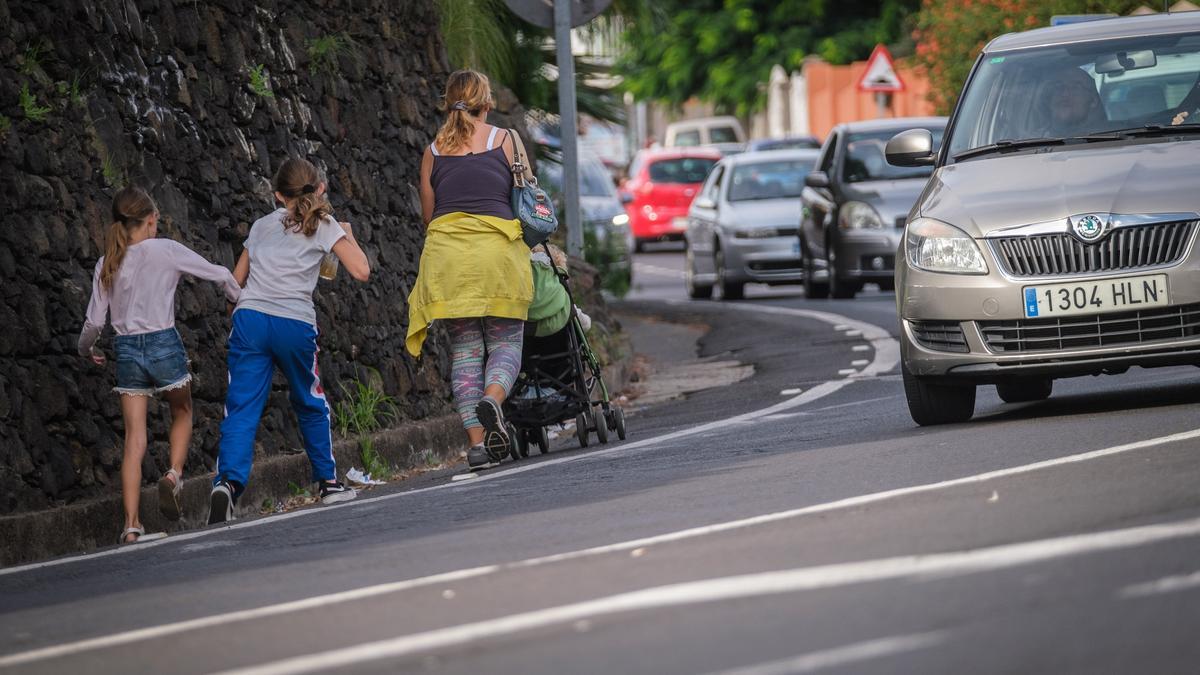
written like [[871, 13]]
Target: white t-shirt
[[284, 265]]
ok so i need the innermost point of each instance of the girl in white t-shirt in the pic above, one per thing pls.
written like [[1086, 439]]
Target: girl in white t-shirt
[[275, 326], [134, 286]]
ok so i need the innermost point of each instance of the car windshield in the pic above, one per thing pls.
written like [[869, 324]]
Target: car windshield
[[594, 181], [722, 135], [686, 139], [787, 144], [1080, 90], [865, 159], [769, 180], [681, 170]]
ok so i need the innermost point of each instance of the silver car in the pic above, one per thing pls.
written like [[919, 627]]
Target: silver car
[[1057, 235], [854, 205], [741, 227]]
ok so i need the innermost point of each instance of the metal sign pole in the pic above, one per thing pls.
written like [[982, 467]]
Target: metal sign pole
[[568, 134]]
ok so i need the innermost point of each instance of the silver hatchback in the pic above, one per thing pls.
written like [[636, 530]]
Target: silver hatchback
[[1056, 236]]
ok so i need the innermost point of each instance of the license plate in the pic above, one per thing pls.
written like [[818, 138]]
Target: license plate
[[1095, 297]]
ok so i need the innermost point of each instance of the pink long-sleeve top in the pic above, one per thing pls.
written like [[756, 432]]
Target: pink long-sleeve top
[[142, 297]]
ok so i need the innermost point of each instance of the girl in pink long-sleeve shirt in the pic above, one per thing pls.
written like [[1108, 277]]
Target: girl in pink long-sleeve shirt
[[134, 289]]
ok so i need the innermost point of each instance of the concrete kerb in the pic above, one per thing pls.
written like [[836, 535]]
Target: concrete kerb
[[82, 527]]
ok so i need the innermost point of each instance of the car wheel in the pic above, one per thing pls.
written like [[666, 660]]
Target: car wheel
[[695, 291], [639, 246], [1024, 391], [932, 402], [838, 288], [813, 289], [729, 290]]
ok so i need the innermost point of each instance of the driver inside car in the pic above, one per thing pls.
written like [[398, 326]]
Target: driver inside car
[[1069, 105]]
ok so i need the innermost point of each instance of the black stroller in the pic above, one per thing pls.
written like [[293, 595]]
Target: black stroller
[[560, 379]]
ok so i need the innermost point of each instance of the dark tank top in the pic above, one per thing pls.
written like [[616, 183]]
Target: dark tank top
[[479, 184]]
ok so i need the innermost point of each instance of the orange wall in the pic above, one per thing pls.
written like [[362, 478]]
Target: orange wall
[[833, 95]]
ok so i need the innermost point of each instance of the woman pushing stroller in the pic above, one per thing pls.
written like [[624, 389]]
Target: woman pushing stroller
[[475, 270]]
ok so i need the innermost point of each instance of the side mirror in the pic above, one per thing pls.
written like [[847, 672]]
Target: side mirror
[[817, 179], [705, 203], [911, 148]]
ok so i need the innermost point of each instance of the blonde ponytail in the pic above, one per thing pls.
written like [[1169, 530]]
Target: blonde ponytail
[[468, 94], [298, 181], [130, 208]]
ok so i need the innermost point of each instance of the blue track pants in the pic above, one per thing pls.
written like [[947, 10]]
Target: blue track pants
[[258, 344]]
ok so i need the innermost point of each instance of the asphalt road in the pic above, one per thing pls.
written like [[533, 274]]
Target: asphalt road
[[796, 521]]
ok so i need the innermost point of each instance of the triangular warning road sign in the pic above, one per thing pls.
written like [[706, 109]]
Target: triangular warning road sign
[[880, 74]]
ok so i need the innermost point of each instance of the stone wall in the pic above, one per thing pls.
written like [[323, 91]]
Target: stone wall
[[199, 102]]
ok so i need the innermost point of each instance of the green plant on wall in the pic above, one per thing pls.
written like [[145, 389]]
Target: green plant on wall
[[260, 82], [29, 106], [5, 125], [72, 90], [114, 175], [363, 409], [31, 59], [324, 52], [611, 259]]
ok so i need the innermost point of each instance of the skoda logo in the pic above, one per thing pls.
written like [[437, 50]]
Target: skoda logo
[[1089, 228]]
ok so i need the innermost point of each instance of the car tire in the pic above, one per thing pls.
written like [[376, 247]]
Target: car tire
[[813, 289], [729, 290], [932, 402], [695, 291], [1026, 390], [639, 246], [839, 289]]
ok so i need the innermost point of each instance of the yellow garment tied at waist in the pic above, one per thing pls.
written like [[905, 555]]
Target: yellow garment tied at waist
[[471, 266]]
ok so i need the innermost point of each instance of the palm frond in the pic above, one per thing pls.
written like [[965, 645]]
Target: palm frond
[[475, 39]]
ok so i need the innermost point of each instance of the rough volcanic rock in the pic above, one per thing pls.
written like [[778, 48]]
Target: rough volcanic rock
[[198, 102]]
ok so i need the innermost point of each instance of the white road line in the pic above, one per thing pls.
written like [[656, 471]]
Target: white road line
[[1170, 584], [841, 656], [621, 547], [921, 567], [859, 362], [887, 356], [847, 371], [859, 348], [790, 392]]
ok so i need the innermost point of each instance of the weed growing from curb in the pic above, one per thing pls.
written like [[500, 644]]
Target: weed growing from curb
[[29, 106], [363, 409], [260, 82]]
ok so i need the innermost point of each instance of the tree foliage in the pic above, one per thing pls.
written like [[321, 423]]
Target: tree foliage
[[721, 51], [950, 34]]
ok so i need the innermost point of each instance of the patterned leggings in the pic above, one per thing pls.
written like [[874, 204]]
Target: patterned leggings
[[473, 340]]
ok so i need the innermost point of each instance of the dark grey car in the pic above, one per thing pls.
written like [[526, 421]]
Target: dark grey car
[[854, 205]]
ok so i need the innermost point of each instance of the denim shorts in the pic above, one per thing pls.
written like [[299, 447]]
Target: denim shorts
[[148, 363]]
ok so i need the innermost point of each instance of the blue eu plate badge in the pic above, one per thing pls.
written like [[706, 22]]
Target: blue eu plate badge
[[1031, 305]]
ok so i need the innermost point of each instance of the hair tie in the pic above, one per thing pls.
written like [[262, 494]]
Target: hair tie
[[308, 189], [460, 105]]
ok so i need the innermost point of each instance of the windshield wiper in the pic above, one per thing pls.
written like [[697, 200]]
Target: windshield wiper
[[1156, 130], [1005, 145]]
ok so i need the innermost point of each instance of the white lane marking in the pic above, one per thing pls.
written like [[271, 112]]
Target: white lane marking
[[859, 362], [847, 371], [841, 326], [659, 271], [790, 392], [921, 567], [841, 656], [1172, 584], [163, 630], [814, 411], [859, 348], [887, 356], [620, 547]]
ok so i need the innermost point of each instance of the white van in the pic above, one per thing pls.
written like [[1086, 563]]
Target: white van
[[720, 131]]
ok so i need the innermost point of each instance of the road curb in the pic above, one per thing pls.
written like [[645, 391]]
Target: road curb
[[86, 526]]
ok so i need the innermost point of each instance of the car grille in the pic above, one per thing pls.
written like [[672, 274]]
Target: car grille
[[775, 265], [1127, 248], [1095, 330], [942, 336]]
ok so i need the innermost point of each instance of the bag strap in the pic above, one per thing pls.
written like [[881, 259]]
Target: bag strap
[[522, 174]]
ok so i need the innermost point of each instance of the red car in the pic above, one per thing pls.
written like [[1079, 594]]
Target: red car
[[660, 188]]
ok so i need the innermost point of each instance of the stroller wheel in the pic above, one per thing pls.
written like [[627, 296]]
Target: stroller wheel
[[618, 418], [523, 443], [581, 429], [543, 440], [601, 425]]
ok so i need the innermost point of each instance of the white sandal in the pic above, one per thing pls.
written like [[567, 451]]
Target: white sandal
[[138, 531], [168, 495]]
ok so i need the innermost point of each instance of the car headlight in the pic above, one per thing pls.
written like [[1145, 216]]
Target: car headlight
[[859, 216], [620, 219], [935, 246]]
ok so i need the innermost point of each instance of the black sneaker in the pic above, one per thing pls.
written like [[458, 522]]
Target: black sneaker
[[495, 433], [333, 492], [477, 458], [220, 503]]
